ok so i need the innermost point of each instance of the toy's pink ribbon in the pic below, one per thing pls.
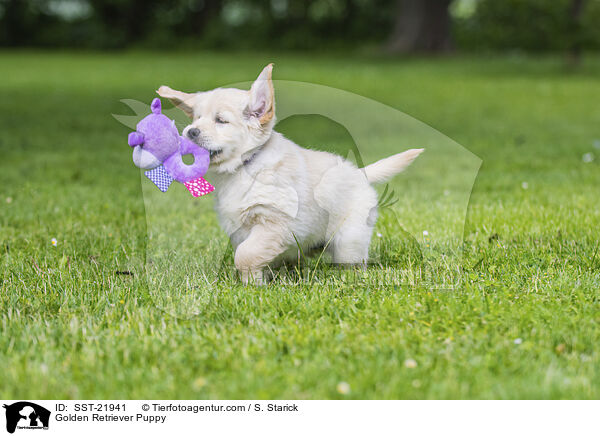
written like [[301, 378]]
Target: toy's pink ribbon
[[199, 187]]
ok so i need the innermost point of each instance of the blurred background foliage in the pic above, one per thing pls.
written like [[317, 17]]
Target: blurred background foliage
[[395, 26]]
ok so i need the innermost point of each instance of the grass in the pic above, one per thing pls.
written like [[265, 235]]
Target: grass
[[82, 320]]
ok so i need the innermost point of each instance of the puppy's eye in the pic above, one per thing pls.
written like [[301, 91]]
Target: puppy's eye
[[220, 120]]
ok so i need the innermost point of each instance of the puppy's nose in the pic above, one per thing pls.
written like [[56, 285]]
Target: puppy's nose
[[193, 133]]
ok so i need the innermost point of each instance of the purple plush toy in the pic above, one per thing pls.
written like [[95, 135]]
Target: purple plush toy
[[158, 147]]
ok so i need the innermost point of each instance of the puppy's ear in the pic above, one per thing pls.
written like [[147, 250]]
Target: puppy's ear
[[262, 97], [182, 100]]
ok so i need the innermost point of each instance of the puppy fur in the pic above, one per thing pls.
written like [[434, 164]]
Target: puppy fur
[[273, 195]]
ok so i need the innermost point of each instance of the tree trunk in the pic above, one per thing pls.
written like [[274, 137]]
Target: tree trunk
[[421, 26], [575, 12]]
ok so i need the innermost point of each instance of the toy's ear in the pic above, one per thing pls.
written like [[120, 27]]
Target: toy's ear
[[262, 97], [155, 106], [182, 100]]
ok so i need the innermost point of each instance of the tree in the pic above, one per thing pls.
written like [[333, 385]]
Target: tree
[[122, 22], [421, 26], [17, 22]]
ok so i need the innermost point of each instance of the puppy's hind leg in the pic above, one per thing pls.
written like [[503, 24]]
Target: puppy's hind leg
[[351, 250], [263, 245], [350, 243]]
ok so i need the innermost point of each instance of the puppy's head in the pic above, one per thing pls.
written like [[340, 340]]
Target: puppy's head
[[230, 123]]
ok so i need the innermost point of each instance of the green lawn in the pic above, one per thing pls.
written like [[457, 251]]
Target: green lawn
[[522, 323]]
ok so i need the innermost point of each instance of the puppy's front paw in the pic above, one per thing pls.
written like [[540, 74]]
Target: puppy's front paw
[[252, 277]]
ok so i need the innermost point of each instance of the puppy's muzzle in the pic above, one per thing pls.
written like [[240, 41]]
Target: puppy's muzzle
[[195, 135]]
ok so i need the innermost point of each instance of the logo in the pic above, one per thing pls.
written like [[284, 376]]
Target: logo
[[26, 415]]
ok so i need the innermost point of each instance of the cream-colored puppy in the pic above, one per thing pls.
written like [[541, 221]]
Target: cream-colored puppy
[[273, 195]]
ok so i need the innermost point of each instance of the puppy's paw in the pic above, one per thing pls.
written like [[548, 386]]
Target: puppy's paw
[[252, 277]]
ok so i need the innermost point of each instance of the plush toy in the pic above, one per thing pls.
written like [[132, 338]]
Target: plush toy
[[158, 148]]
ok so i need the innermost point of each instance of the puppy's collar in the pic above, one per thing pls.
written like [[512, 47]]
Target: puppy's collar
[[250, 158]]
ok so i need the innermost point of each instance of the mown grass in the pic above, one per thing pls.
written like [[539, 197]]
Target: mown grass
[[82, 320]]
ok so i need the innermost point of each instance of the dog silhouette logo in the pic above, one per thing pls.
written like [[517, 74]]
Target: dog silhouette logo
[[26, 415]]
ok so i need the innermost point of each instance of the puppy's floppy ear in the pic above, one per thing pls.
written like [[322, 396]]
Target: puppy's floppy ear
[[182, 100], [262, 97]]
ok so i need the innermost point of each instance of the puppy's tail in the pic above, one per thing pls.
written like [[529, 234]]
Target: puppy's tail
[[387, 168]]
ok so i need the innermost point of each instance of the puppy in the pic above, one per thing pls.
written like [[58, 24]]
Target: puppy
[[273, 196]]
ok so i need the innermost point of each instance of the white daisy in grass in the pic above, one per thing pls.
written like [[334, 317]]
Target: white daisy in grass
[[587, 158], [596, 144], [425, 233], [8, 200], [410, 363], [54, 242], [343, 388], [525, 185], [199, 383], [518, 341]]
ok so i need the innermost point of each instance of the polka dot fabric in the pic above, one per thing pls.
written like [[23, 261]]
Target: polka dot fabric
[[199, 187]]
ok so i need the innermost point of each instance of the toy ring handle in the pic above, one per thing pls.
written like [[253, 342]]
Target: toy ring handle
[[180, 170]]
